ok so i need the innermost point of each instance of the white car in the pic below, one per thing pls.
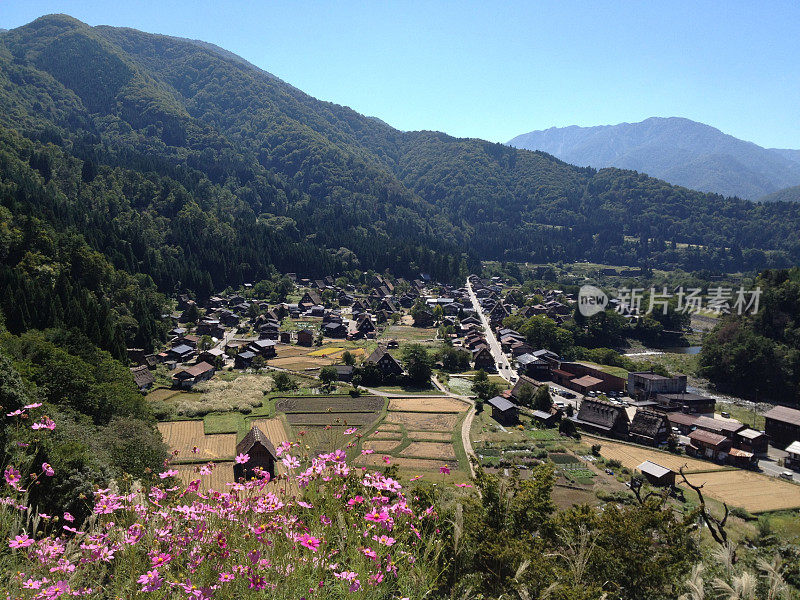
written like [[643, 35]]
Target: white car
[[787, 475]]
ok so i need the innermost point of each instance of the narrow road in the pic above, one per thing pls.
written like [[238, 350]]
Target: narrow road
[[466, 425], [501, 360]]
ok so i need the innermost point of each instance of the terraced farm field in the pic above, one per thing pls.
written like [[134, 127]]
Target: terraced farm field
[[334, 404], [434, 450], [184, 435], [273, 429], [410, 464], [424, 421], [436, 405], [351, 419], [218, 480]]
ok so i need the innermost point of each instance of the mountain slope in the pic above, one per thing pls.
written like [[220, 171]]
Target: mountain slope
[[180, 162], [677, 150], [791, 194]]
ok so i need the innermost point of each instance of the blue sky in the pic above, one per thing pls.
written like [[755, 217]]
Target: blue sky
[[497, 69]]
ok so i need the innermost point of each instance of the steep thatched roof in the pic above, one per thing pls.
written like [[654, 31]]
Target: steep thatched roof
[[255, 435]]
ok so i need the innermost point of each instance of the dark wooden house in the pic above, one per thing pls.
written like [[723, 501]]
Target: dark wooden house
[[385, 362], [305, 337], [504, 411], [782, 425], [602, 417], [649, 428], [261, 452]]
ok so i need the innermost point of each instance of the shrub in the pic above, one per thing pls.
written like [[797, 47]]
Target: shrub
[[596, 449], [613, 464]]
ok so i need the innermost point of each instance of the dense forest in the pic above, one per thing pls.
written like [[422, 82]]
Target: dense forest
[[758, 356], [179, 161]]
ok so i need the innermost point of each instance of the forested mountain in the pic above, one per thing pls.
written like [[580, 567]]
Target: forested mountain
[[791, 194], [182, 166], [677, 150]]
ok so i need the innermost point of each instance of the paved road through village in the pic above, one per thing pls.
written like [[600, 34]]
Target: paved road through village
[[501, 360]]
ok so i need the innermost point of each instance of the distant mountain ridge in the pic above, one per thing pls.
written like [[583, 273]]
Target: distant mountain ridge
[[678, 150]]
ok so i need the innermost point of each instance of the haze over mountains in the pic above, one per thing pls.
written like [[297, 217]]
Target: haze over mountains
[[133, 162], [676, 150]]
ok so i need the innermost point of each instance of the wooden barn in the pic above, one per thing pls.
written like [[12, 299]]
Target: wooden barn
[[262, 455]]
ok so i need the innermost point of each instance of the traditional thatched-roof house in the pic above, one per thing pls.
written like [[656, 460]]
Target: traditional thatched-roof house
[[143, 377], [385, 362], [602, 417], [649, 428], [261, 452]]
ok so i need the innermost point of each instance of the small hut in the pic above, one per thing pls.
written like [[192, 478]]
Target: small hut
[[262, 455]]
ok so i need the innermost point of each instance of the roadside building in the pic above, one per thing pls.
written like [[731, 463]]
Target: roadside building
[[705, 444], [782, 425], [647, 385], [792, 460], [686, 403], [656, 474], [750, 440], [483, 359]]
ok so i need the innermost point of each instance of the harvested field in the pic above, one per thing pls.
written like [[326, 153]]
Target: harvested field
[[388, 427], [415, 464], [435, 450], [287, 350], [184, 435], [436, 405], [748, 490], [161, 394], [273, 429], [424, 421], [217, 480], [633, 456], [321, 419], [300, 363], [384, 435], [430, 435], [322, 439], [324, 404], [381, 445]]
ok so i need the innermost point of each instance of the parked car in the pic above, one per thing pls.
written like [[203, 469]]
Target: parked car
[[725, 415], [787, 475]]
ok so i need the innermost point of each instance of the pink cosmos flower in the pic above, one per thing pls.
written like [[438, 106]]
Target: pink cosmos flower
[[377, 517], [45, 423], [225, 577], [366, 451], [34, 405], [16, 413], [68, 517], [242, 458], [21, 541], [290, 462], [48, 470], [151, 581], [387, 459], [444, 469], [464, 485], [384, 539], [13, 476], [168, 473], [350, 431], [310, 542]]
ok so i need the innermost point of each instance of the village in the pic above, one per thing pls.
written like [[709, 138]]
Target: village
[[337, 352]]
